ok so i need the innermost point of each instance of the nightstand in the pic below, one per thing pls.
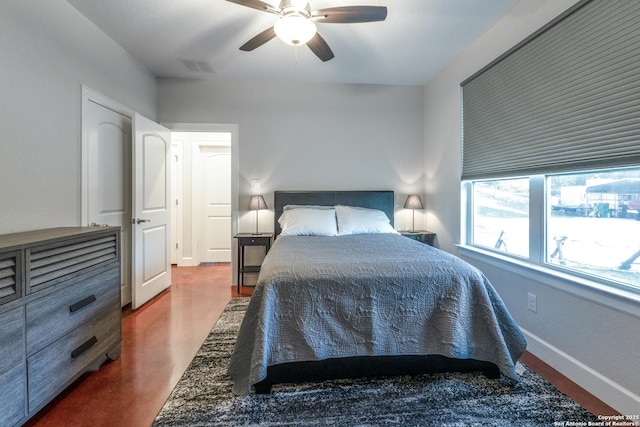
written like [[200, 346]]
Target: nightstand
[[427, 237], [250, 239]]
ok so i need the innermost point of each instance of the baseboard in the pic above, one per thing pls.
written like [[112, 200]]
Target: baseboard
[[611, 393]]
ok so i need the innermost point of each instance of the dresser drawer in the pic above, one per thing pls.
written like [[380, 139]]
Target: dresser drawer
[[13, 392], [11, 339], [54, 366], [254, 241], [54, 315], [10, 276], [58, 262]]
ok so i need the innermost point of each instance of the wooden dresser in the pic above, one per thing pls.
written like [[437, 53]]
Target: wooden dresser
[[60, 313]]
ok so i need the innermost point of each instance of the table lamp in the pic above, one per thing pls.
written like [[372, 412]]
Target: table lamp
[[255, 204], [413, 202]]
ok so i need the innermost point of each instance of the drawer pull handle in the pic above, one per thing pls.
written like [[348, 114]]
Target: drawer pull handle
[[84, 347], [83, 302]]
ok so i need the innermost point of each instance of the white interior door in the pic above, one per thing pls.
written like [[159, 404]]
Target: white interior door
[[151, 210], [108, 178], [215, 170]]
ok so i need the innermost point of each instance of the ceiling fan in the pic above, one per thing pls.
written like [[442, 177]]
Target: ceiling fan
[[297, 26]]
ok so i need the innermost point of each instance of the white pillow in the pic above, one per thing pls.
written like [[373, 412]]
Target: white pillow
[[353, 220], [308, 222]]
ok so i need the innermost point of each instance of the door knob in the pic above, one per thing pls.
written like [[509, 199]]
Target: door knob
[[139, 220]]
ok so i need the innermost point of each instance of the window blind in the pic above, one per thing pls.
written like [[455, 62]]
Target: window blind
[[566, 99]]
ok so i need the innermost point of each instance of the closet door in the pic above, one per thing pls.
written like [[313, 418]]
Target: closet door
[[107, 161]]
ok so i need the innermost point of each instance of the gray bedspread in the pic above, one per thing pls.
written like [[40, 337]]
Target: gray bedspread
[[369, 295]]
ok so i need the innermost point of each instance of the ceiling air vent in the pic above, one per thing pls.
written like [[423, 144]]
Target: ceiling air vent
[[197, 66]]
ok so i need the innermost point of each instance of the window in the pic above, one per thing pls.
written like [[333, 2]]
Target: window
[[590, 226], [561, 109], [501, 215], [593, 223]]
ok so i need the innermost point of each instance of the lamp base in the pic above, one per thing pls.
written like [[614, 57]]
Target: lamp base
[[413, 223]]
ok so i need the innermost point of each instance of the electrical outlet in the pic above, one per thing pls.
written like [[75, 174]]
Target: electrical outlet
[[532, 302]]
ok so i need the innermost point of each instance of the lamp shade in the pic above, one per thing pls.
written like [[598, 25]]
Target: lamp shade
[[413, 202], [295, 29], [257, 203]]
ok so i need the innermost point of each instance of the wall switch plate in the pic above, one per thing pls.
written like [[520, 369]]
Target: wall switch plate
[[532, 302], [255, 184]]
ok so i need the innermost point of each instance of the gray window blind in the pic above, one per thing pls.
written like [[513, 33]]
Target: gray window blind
[[566, 99]]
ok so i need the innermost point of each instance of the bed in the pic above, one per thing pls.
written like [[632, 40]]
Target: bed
[[354, 298]]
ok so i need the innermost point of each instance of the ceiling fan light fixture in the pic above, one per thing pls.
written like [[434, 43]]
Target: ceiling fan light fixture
[[295, 29]]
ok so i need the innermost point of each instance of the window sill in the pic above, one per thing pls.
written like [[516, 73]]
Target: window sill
[[606, 295]]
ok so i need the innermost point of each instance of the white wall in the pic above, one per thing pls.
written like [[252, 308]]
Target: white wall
[[48, 51], [310, 136], [588, 335]]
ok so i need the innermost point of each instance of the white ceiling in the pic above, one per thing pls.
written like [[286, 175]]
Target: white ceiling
[[415, 42]]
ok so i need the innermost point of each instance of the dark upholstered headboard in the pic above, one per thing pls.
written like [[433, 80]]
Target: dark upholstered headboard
[[382, 200]]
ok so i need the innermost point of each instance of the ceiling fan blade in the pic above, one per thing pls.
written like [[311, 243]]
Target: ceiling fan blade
[[256, 4], [350, 14], [259, 40], [320, 48]]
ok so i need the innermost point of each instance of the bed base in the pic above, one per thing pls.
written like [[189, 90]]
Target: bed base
[[367, 366]]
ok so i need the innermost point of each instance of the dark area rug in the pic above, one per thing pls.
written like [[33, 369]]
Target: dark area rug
[[203, 396]]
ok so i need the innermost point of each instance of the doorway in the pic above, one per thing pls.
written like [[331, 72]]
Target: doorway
[[202, 180], [204, 138]]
